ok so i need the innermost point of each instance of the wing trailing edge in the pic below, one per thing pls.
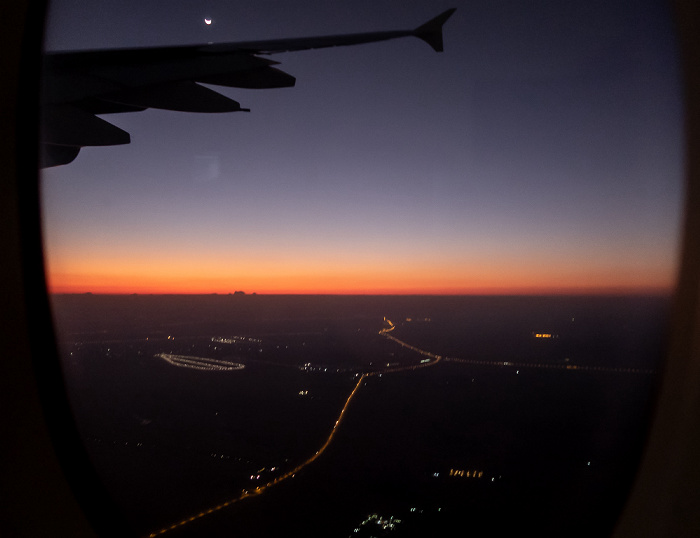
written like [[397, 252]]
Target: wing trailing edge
[[181, 96]]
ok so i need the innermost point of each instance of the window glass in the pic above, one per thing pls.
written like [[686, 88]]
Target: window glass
[[411, 290]]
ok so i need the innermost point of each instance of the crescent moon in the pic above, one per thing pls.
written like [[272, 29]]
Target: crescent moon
[[207, 21]]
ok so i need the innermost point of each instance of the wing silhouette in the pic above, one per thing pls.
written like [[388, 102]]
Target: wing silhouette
[[78, 86]]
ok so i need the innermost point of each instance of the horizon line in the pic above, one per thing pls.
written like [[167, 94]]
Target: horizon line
[[610, 293]]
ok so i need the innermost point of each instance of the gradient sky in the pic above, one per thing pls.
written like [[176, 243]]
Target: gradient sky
[[540, 153]]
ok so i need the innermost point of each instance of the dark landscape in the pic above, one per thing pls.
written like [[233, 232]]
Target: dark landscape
[[471, 415]]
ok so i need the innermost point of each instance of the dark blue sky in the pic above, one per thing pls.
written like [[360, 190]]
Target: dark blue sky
[[541, 151]]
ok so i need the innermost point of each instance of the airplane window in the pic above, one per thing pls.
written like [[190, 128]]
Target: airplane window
[[362, 286]]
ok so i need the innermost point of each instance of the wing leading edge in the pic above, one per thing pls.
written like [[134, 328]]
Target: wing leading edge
[[80, 85]]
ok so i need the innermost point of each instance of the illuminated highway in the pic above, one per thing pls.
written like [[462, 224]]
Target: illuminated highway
[[574, 367], [430, 360], [260, 489]]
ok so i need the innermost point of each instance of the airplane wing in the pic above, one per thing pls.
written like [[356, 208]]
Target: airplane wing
[[78, 86]]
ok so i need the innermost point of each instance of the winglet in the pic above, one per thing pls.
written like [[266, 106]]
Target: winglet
[[431, 31]]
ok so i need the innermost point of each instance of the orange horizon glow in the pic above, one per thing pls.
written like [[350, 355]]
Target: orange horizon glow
[[524, 278], [279, 274]]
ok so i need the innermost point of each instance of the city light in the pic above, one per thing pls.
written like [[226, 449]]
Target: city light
[[199, 363]]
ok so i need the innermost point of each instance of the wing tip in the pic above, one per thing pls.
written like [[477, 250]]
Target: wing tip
[[431, 31]]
